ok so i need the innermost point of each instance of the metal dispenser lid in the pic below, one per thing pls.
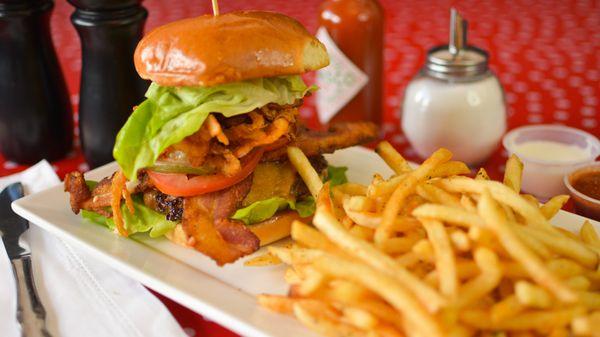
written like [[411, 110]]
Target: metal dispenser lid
[[457, 59]]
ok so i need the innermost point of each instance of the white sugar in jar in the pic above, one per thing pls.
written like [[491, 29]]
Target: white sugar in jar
[[468, 117], [455, 101]]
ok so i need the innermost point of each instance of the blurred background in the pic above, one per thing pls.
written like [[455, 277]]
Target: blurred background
[[545, 53]]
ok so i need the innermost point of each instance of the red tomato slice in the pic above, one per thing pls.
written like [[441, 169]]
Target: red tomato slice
[[180, 185]]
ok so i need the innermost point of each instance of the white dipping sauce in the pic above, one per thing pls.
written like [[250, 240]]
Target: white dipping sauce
[[551, 151], [548, 152], [546, 162]]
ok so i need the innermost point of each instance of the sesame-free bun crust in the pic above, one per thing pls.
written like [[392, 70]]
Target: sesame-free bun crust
[[231, 47]]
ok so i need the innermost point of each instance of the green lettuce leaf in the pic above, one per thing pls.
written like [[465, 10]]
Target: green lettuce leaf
[[265, 209], [305, 207], [169, 114], [143, 220], [336, 175]]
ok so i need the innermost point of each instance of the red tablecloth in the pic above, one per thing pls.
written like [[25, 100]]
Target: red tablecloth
[[546, 54]]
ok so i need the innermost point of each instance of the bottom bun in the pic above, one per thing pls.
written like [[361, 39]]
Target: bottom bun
[[275, 228], [177, 235], [268, 231]]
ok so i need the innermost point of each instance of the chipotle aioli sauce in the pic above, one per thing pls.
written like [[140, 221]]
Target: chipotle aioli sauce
[[355, 27]]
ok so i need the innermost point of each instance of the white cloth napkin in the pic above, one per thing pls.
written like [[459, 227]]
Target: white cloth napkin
[[82, 297]]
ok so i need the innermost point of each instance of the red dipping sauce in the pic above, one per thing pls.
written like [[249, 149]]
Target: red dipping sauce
[[584, 186], [588, 183]]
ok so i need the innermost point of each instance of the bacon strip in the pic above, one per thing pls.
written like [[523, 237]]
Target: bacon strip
[[101, 197], [78, 190], [82, 198], [208, 227]]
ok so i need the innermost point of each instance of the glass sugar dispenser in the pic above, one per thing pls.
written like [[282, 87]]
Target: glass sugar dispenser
[[455, 101]]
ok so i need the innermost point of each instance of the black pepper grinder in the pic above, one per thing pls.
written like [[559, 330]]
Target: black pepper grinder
[[35, 111], [109, 31]]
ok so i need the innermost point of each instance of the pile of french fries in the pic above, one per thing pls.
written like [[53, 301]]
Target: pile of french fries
[[430, 252]]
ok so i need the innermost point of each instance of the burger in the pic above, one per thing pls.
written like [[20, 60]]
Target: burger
[[203, 161]]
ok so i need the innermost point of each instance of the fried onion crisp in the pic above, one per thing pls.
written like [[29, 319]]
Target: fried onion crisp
[[221, 142]]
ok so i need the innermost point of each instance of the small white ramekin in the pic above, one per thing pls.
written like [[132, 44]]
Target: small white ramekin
[[544, 178]]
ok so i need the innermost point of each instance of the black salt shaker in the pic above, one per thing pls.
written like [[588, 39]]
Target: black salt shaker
[[110, 87], [35, 111]]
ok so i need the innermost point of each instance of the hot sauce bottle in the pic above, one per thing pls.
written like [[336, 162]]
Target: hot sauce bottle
[[351, 86]]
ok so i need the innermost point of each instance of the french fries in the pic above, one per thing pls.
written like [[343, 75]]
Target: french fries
[[262, 260], [564, 246], [325, 320], [550, 208], [508, 307], [445, 259], [532, 296], [392, 158], [450, 168], [490, 211], [305, 170], [482, 175], [405, 188], [513, 173], [589, 234], [429, 252], [437, 195], [501, 193], [385, 286], [479, 286], [367, 252], [456, 217]]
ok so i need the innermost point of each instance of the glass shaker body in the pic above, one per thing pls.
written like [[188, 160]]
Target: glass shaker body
[[466, 115]]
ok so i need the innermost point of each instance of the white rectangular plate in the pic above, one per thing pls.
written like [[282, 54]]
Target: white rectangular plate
[[225, 295]]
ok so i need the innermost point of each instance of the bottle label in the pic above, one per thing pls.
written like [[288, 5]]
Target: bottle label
[[339, 82]]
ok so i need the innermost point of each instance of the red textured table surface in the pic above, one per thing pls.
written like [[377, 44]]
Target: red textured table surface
[[546, 54]]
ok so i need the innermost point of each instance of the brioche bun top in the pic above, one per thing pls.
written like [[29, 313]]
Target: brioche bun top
[[210, 50]]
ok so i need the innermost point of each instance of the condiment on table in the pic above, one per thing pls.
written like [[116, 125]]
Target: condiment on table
[[584, 186], [351, 87], [548, 152], [588, 183], [455, 101]]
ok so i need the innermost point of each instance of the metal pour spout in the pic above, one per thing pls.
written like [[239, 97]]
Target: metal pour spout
[[458, 33]]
